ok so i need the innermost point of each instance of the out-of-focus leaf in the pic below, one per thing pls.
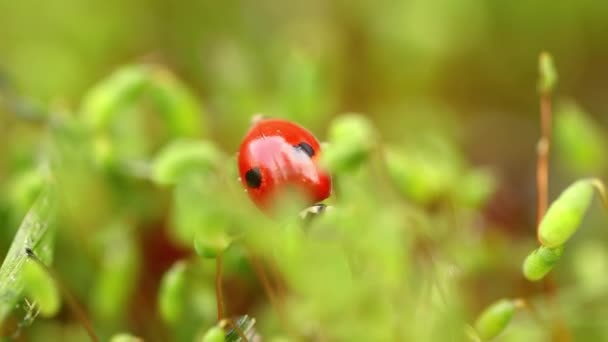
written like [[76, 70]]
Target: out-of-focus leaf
[[178, 106], [121, 135], [112, 95], [35, 232], [172, 293], [580, 143], [184, 158], [215, 334], [118, 270], [40, 287]]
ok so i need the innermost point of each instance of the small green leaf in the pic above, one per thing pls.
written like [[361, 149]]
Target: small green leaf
[[172, 292], [35, 232], [580, 140], [118, 267], [107, 99], [541, 261], [178, 106], [565, 214], [182, 158], [351, 138], [495, 318]]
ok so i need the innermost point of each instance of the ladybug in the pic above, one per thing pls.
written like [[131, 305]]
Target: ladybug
[[277, 156]]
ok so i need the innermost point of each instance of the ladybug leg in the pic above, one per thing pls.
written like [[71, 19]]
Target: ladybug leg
[[314, 211]]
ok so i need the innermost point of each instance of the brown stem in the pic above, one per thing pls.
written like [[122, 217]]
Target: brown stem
[[219, 297], [542, 166], [71, 300]]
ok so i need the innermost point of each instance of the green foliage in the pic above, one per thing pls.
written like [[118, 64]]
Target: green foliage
[[548, 73], [351, 139], [580, 140], [566, 213], [40, 288], [541, 261], [172, 293], [415, 239], [495, 318], [118, 139], [215, 334], [35, 232], [182, 159]]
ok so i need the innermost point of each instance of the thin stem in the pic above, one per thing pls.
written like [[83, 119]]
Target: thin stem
[[542, 165], [275, 302], [219, 297], [71, 300], [601, 190], [522, 303]]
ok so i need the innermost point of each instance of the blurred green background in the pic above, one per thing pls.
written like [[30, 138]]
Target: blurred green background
[[468, 66], [464, 71]]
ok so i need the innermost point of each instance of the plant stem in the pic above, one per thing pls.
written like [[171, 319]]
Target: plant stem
[[71, 300], [219, 297], [601, 190], [542, 165]]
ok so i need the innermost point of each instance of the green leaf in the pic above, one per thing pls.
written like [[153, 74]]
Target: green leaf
[[179, 108], [495, 318], [35, 232], [351, 138], [182, 158], [109, 97], [580, 140], [40, 287], [541, 261], [566, 213], [172, 292], [215, 334]]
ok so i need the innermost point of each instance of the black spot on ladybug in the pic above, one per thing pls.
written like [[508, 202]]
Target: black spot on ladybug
[[253, 177], [306, 148]]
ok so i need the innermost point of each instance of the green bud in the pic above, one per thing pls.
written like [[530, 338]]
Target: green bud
[[351, 137], [548, 73], [125, 338], [215, 334], [565, 214], [40, 287], [182, 158], [541, 261], [495, 318], [172, 292]]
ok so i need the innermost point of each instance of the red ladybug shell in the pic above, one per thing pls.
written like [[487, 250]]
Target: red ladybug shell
[[277, 155]]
